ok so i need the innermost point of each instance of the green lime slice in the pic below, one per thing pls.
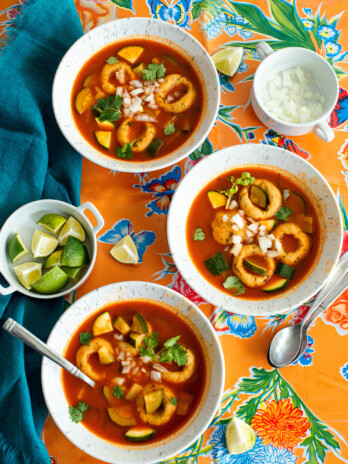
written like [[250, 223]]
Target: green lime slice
[[75, 253], [42, 244], [54, 259], [240, 437], [51, 282], [74, 273], [28, 273], [52, 222], [16, 248], [71, 227]]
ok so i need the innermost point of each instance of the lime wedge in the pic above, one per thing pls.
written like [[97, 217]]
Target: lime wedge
[[28, 273], [54, 259], [42, 244], [228, 60], [16, 249], [51, 282], [240, 437], [52, 222], [73, 228], [75, 253], [125, 251], [74, 273]]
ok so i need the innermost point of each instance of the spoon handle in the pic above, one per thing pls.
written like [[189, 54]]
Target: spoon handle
[[29, 339]]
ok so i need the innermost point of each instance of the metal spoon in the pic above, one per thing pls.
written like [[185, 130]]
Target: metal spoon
[[29, 339], [290, 343]]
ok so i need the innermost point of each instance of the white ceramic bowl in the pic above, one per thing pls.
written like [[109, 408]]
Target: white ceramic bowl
[[272, 62], [298, 170], [131, 28], [23, 221], [154, 452]]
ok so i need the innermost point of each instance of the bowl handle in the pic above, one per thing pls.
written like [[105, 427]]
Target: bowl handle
[[263, 50], [324, 131], [90, 207], [7, 290]]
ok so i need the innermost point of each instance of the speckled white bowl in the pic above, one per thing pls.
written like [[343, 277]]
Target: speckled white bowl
[[298, 170], [131, 28], [142, 453]]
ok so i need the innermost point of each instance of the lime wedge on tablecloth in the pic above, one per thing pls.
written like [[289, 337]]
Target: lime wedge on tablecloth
[[52, 222], [16, 249], [71, 227], [42, 244], [240, 437], [28, 273], [228, 59], [75, 253], [55, 259], [74, 273], [125, 251], [51, 282]]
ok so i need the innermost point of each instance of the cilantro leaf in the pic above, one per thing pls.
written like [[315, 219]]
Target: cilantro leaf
[[76, 413], [199, 235], [173, 351], [85, 338], [153, 71], [111, 60], [244, 180], [109, 108], [170, 129], [235, 283], [283, 213], [174, 401], [171, 342], [118, 392], [125, 151], [150, 342]]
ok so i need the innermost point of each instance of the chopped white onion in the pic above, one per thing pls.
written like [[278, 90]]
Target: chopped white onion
[[144, 117], [236, 249], [136, 370], [159, 367], [238, 221], [224, 218], [118, 380], [126, 370], [249, 233], [156, 376], [272, 254], [145, 359], [241, 213], [236, 239], [233, 204], [125, 363], [118, 337], [262, 227], [235, 227], [136, 92], [122, 356], [119, 91], [136, 83], [264, 244], [270, 236], [277, 244], [253, 227]]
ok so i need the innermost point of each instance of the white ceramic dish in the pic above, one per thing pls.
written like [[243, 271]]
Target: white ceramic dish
[[132, 28], [302, 173], [23, 221], [154, 452], [272, 62]]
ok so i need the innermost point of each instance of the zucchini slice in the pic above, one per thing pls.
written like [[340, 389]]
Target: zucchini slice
[[102, 324], [269, 224], [103, 138], [256, 268], [108, 394], [139, 69], [105, 357], [131, 53], [275, 284], [136, 339], [153, 400], [217, 199], [154, 147], [122, 416], [216, 264], [139, 324], [84, 100], [127, 347], [140, 434], [283, 270], [105, 124], [258, 196], [297, 203], [121, 325], [133, 392]]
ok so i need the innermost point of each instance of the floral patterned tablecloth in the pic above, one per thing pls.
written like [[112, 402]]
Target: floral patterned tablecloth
[[300, 413]]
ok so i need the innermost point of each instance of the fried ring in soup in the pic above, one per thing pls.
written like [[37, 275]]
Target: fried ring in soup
[[292, 257], [142, 142], [274, 198], [185, 373], [181, 105], [223, 228], [108, 69], [163, 414], [248, 278], [85, 351]]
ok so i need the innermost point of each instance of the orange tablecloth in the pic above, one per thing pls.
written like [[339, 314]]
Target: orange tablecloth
[[299, 413]]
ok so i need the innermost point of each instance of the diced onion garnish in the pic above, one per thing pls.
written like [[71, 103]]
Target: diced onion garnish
[[119, 91], [272, 253], [118, 337], [156, 376], [125, 363], [126, 370], [264, 244], [136, 83], [270, 236], [136, 92], [145, 359], [235, 227], [224, 218], [277, 244], [241, 213], [159, 367], [144, 117], [236, 249], [118, 380], [238, 220], [136, 370], [236, 239], [253, 227], [233, 204], [262, 227], [122, 356], [249, 233]]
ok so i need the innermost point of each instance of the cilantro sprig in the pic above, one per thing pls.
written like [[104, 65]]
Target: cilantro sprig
[[234, 283], [199, 235], [170, 129], [85, 338], [117, 391], [244, 180], [76, 413], [283, 213], [153, 71], [125, 151], [111, 60], [109, 108], [171, 351]]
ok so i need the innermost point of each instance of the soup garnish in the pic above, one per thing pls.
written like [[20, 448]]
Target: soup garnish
[[137, 99], [256, 237], [148, 367]]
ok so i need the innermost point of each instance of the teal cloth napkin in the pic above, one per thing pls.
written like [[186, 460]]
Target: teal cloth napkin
[[35, 162]]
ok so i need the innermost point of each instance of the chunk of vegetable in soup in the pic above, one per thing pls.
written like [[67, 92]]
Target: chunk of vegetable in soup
[[253, 234], [149, 370], [137, 99]]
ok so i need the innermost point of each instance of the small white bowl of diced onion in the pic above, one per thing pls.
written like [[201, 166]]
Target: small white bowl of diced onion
[[294, 91]]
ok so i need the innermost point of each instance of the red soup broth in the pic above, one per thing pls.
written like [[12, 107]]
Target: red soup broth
[[202, 213], [175, 63], [168, 324]]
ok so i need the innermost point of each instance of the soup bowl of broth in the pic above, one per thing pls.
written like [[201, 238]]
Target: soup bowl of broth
[[132, 95], [255, 229], [158, 368]]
